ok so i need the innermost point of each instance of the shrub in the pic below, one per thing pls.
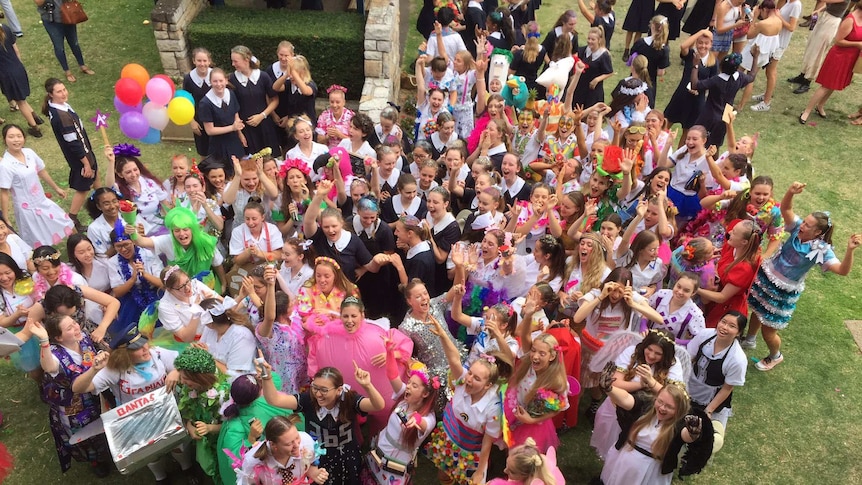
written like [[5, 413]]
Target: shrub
[[331, 41]]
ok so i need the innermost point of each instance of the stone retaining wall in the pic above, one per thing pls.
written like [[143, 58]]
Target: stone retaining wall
[[170, 19], [382, 57]]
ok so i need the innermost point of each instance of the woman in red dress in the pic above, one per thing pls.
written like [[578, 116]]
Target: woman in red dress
[[736, 268], [837, 70]]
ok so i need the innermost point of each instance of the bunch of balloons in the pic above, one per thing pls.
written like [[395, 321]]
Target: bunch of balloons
[[144, 120]]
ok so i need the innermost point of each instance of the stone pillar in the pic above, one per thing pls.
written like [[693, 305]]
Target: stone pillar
[[170, 19], [382, 59]]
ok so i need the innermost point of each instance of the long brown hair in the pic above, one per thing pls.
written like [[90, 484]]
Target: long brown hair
[[274, 429], [665, 341], [49, 89], [341, 280]]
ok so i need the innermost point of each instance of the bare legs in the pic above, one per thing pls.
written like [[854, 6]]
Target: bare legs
[[818, 101]]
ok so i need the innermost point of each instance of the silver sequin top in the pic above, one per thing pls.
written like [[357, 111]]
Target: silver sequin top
[[427, 347]]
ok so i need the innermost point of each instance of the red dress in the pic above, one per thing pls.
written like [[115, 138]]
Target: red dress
[[740, 275], [837, 70]]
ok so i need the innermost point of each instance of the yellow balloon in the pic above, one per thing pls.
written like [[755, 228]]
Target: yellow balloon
[[181, 111]]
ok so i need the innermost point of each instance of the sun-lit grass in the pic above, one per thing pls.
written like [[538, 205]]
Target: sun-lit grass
[[797, 424]]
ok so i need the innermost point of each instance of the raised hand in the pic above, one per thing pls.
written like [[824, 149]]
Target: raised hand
[[606, 378], [694, 426], [797, 188], [363, 378]]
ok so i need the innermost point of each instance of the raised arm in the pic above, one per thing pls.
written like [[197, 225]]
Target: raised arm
[[456, 370], [309, 220], [270, 393], [229, 195], [787, 202]]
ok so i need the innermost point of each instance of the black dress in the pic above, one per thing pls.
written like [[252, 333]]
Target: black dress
[[700, 16], [252, 100], [352, 257], [607, 24], [585, 96], [658, 59], [473, 17], [444, 239], [551, 40], [221, 147], [343, 459], [377, 289], [13, 77], [721, 92], [674, 18], [638, 17], [421, 266], [685, 107], [425, 20], [198, 93], [389, 213]]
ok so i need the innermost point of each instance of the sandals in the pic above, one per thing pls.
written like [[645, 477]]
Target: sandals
[[803, 121], [13, 106], [857, 122], [87, 70], [855, 116], [820, 111], [70, 77]]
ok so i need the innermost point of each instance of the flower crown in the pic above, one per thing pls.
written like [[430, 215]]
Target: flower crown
[[126, 150], [196, 172], [293, 163], [327, 259], [635, 90], [171, 270], [48, 257], [662, 335]]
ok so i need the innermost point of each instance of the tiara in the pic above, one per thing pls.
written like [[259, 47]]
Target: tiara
[[662, 335], [327, 259], [173, 269], [48, 257]]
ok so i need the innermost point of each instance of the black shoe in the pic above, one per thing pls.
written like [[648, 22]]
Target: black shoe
[[38, 119], [800, 79], [801, 89], [626, 54], [81, 228]]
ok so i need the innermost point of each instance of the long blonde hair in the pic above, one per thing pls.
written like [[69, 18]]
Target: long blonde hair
[[552, 378], [532, 47], [591, 274], [639, 66], [668, 428], [660, 39]]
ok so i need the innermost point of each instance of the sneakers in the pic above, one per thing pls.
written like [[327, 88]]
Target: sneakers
[[758, 97], [767, 363], [749, 344], [761, 106]]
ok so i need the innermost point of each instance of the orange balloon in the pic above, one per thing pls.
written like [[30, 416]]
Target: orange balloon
[[137, 72]]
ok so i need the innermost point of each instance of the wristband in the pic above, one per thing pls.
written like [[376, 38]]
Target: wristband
[[417, 417], [43, 341]]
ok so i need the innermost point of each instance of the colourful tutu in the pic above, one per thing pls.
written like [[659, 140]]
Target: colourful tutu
[[544, 433], [450, 458], [774, 304]]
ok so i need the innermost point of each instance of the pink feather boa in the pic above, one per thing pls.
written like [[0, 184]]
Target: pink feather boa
[[41, 285]]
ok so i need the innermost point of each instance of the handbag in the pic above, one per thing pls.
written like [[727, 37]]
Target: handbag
[[72, 13]]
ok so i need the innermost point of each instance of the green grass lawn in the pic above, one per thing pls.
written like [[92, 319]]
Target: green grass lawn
[[796, 424]]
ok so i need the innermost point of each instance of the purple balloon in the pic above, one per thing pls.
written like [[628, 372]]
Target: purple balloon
[[134, 125], [123, 108]]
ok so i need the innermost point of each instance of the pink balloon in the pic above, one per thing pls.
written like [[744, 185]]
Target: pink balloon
[[159, 91], [169, 81]]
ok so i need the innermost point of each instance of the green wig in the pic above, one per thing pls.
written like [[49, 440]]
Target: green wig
[[198, 257]]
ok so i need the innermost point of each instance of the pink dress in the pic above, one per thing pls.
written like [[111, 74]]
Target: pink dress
[[326, 120], [544, 433], [332, 345]]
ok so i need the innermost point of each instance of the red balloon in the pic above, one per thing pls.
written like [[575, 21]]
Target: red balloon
[[129, 91], [169, 81]]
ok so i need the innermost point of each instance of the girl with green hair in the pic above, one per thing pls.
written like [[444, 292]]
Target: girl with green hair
[[187, 246]]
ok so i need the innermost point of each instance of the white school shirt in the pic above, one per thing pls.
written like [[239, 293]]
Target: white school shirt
[[236, 349], [673, 321], [132, 384], [152, 264], [365, 149], [298, 465], [625, 359], [684, 168], [19, 250], [175, 314], [389, 439], [242, 238], [295, 281], [99, 233], [483, 416], [651, 274], [317, 150], [489, 345], [733, 368]]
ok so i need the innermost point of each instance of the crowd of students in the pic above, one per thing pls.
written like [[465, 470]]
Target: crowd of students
[[491, 267]]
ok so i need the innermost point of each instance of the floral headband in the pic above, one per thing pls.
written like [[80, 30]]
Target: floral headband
[[126, 150], [48, 257], [688, 251], [293, 163], [336, 87], [662, 335], [634, 91], [327, 259], [196, 172]]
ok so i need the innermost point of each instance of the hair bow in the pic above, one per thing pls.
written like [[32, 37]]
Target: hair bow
[[336, 87], [126, 150]]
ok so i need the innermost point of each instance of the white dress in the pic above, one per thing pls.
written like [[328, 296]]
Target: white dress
[[19, 250], [149, 202], [628, 466], [40, 221]]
